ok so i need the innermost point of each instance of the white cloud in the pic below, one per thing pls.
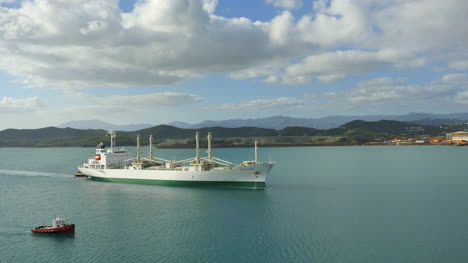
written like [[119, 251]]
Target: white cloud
[[373, 94], [259, 104], [462, 97], [384, 81], [280, 28], [84, 43], [292, 80], [84, 112], [80, 44], [210, 5], [286, 4], [459, 65], [250, 73], [411, 63], [336, 23], [133, 101], [93, 27], [455, 78], [420, 25], [332, 66], [181, 16], [153, 99], [12, 105], [272, 79], [377, 35], [390, 93]]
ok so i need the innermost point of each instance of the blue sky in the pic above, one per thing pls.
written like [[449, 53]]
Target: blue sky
[[158, 61]]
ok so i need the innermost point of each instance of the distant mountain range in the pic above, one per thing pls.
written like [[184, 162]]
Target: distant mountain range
[[97, 124], [280, 122], [329, 122]]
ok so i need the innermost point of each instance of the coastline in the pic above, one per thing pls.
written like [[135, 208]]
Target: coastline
[[297, 145], [266, 145]]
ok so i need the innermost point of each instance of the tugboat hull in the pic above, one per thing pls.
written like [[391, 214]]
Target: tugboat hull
[[67, 229]]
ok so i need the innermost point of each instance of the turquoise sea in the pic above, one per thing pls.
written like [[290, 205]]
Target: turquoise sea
[[323, 204]]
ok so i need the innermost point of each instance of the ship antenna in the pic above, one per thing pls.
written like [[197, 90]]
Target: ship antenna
[[256, 149], [197, 147], [151, 146], [209, 146], [138, 148]]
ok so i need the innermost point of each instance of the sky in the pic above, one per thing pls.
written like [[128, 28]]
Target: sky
[[158, 61]]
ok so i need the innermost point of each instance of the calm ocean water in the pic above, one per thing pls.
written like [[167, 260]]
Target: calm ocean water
[[323, 204]]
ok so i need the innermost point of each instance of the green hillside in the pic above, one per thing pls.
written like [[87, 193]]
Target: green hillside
[[384, 128], [50, 137], [353, 132]]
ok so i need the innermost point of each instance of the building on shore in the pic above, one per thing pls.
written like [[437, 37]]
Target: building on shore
[[421, 141], [460, 137], [400, 139], [436, 139]]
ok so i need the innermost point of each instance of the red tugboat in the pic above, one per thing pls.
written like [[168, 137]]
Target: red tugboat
[[59, 226]]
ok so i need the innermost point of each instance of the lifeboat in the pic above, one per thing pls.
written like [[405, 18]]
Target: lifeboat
[[59, 226]]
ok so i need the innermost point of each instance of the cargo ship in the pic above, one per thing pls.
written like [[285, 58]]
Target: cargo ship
[[117, 165]]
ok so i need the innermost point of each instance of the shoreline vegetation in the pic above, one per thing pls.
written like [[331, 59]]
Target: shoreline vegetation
[[353, 133]]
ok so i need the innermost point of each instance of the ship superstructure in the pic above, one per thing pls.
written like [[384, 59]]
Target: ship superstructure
[[117, 165]]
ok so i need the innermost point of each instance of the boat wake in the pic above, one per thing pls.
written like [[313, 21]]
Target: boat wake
[[33, 173]]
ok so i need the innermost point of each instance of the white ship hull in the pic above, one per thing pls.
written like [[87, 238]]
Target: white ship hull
[[252, 176]]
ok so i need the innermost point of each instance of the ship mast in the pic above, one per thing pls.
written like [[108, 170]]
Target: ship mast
[[151, 147], [112, 135], [256, 149], [138, 148], [197, 148], [209, 147]]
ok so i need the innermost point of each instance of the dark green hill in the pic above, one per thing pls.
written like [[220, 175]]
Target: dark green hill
[[366, 129], [50, 136], [48, 132], [384, 128], [68, 137], [300, 131]]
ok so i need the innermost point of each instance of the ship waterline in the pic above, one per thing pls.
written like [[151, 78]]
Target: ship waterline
[[115, 165]]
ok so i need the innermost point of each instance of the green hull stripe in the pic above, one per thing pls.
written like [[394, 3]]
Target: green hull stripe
[[248, 185]]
